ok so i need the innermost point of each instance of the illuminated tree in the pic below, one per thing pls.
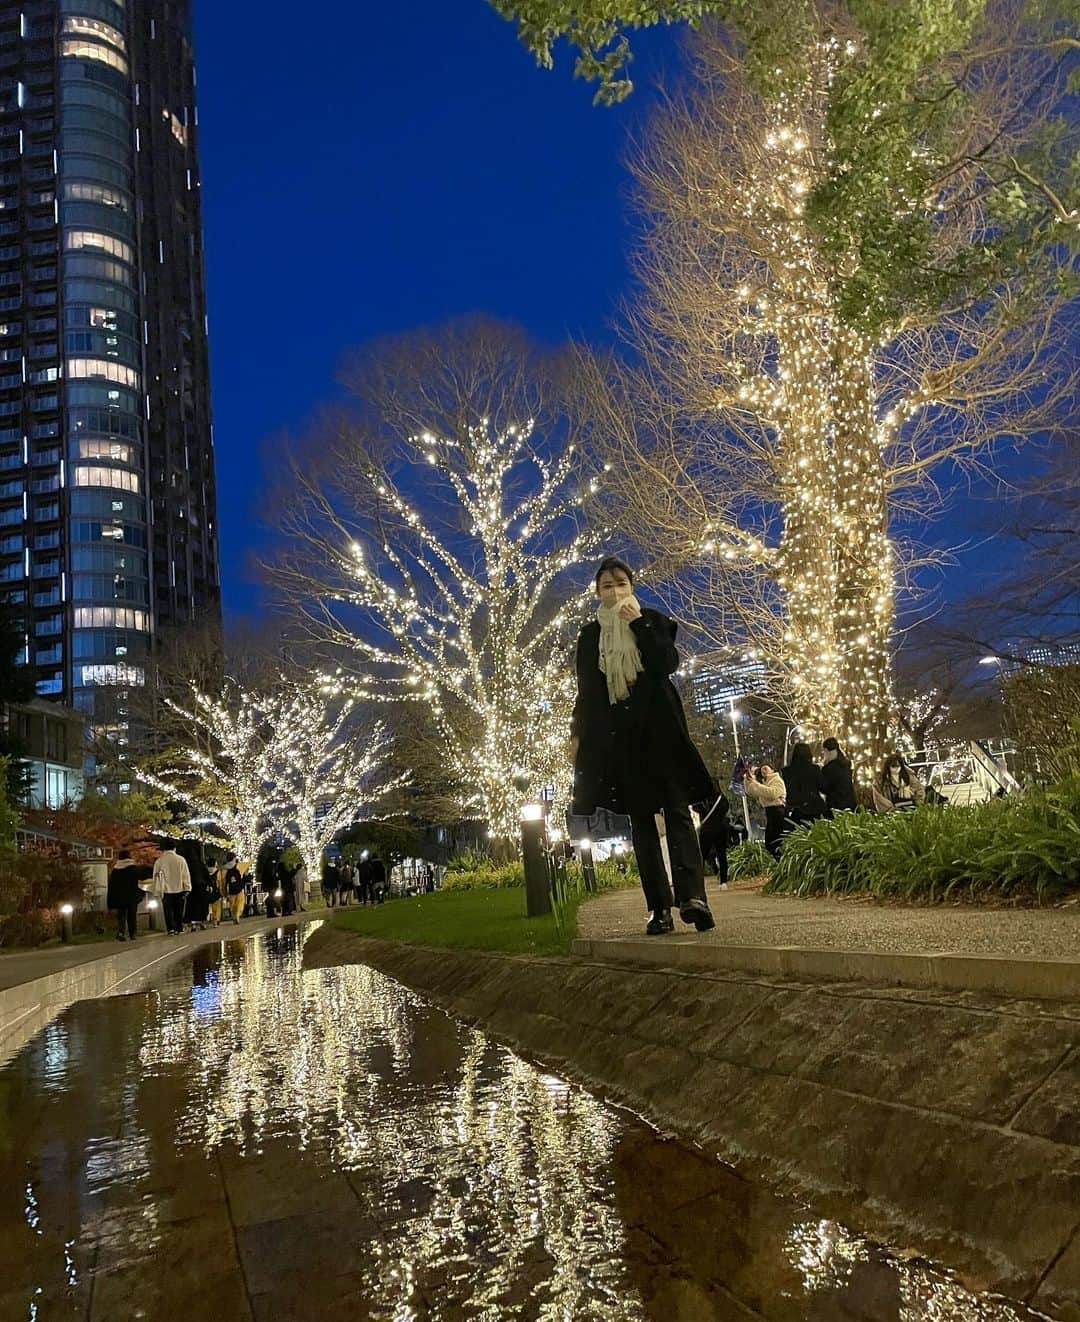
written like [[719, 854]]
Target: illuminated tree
[[221, 767], [434, 532], [329, 771], [772, 444]]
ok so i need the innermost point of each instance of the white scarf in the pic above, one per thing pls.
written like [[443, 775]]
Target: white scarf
[[620, 659]]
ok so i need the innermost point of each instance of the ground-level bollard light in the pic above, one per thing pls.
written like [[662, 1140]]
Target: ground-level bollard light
[[588, 867], [534, 856], [153, 913], [66, 914]]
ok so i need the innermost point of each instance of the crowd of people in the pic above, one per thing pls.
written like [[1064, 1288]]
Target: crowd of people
[[194, 895]]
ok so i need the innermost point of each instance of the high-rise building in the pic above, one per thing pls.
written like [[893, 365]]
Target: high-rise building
[[107, 500]]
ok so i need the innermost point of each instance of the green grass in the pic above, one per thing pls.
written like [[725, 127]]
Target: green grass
[[467, 920]]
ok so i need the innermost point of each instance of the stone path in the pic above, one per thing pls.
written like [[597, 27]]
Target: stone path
[[748, 918]]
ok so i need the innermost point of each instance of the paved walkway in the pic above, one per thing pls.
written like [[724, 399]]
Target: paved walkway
[[748, 918], [17, 967]]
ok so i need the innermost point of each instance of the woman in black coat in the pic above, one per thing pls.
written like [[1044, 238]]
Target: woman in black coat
[[837, 782], [632, 750], [802, 780]]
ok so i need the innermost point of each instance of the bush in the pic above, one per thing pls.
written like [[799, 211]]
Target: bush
[[32, 886], [750, 859], [1027, 847], [485, 875]]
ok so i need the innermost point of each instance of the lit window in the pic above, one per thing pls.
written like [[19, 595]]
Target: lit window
[[83, 368], [96, 475], [111, 617], [80, 191], [110, 674], [99, 243], [98, 449], [179, 132], [74, 48], [94, 27]]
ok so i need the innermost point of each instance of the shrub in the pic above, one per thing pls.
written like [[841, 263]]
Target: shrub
[[32, 885], [488, 876], [1027, 847], [749, 859]]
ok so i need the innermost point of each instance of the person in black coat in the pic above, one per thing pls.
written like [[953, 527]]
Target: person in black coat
[[125, 893], [714, 834], [632, 750], [802, 780], [837, 782]]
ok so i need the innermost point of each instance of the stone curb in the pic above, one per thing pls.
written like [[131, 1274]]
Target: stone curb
[[999, 975], [27, 1007], [950, 1128]]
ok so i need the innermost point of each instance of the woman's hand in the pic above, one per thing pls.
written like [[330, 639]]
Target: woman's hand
[[630, 610]]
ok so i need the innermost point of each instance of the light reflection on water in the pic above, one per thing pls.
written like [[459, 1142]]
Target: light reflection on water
[[269, 1142]]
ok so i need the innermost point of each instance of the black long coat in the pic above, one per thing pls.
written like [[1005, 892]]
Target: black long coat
[[633, 754]]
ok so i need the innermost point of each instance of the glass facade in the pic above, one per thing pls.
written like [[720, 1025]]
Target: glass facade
[[107, 499]]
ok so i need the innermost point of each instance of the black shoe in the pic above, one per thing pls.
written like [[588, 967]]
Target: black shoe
[[698, 913], [660, 923]]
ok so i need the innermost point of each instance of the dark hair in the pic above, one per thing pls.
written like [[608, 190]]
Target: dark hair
[[832, 744], [801, 753], [124, 853], [612, 563], [905, 774]]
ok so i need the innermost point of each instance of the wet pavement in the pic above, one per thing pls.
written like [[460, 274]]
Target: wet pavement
[[248, 1140]]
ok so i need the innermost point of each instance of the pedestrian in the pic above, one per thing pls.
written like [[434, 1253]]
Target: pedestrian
[[287, 885], [172, 884], [897, 788], [266, 880], [766, 785], [802, 786], [301, 880], [125, 893], [197, 912], [377, 878], [233, 887], [632, 749], [714, 833], [217, 895], [330, 882], [837, 781], [345, 884]]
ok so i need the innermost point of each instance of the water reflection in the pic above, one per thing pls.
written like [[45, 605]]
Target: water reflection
[[265, 1142]]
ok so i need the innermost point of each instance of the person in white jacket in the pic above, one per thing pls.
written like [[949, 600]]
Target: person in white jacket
[[171, 883], [766, 785]]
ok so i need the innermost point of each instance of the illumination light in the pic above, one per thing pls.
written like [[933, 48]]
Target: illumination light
[[532, 812], [67, 910]]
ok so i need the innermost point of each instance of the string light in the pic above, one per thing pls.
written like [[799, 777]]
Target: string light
[[471, 620]]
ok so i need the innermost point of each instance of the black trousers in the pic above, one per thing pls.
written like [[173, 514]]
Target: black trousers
[[127, 917], [174, 905], [687, 869], [774, 828]]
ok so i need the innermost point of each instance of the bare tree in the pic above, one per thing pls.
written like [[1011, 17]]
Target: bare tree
[[329, 766], [434, 533], [769, 448]]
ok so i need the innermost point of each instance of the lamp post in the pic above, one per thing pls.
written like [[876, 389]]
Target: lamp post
[[588, 867], [537, 881], [66, 913], [734, 713]]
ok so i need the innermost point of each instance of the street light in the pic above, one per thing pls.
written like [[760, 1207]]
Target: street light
[[588, 867], [537, 879], [734, 713], [154, 911], [66, 912]]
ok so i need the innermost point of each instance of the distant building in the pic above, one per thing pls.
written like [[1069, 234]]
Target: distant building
[[51, 738], [725, 681], [1058, 654], [107, 499]]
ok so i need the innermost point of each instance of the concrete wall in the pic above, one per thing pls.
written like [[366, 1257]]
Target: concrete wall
[[943, 1122]]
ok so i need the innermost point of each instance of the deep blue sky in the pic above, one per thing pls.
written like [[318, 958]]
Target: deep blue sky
[[371, 167]]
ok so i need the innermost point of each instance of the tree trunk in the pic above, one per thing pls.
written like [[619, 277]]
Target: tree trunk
[[864, 601]]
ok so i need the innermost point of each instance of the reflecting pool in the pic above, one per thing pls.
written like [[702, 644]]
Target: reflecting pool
[[252, 1140]]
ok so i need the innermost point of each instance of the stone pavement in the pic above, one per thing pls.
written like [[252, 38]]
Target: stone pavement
[[1024, 952]]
